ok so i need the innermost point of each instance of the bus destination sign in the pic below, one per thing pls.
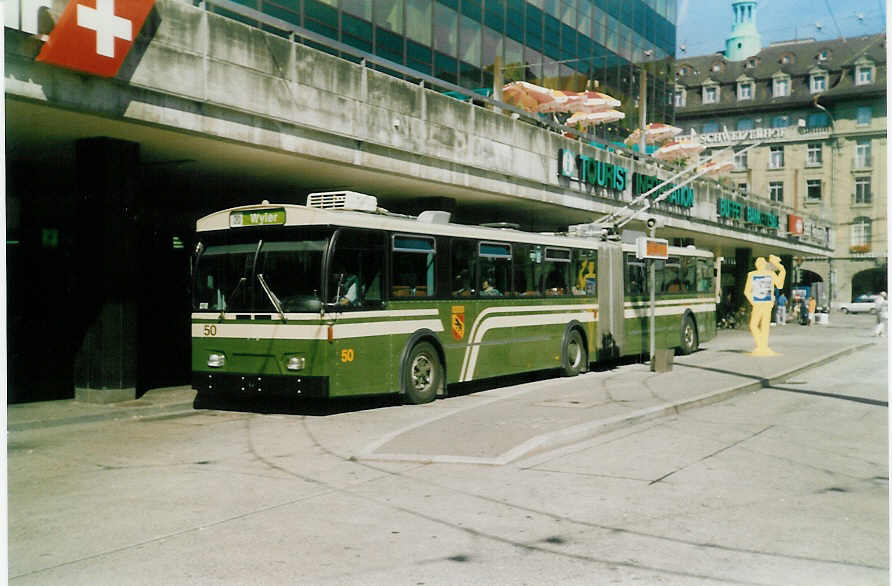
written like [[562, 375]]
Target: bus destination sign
[[245, 219]]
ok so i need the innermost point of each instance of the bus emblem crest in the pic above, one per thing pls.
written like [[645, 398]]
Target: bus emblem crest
[[458, 322]]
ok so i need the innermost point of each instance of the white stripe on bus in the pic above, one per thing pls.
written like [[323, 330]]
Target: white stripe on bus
[[280, 331], [580, 312], [689, 301], [316, 316], [673, 310]]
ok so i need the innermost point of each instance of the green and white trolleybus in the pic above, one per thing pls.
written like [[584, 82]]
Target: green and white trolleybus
[[341, 298]]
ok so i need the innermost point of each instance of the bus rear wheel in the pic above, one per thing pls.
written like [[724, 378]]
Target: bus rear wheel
[[423, 374], [575, 354], [690, 340]]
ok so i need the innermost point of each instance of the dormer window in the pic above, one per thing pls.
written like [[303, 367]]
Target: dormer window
[[824, 55], [681, 97], [710, 94], [864, 75], [787, 59], [751, 63], [818, 82], [781, 87], [717, 67], [745, 90], [684, 70]]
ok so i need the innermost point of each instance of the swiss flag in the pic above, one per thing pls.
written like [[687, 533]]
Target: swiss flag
[[94, 36]]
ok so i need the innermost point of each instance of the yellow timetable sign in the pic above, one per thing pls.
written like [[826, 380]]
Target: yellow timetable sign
[[657, 248]]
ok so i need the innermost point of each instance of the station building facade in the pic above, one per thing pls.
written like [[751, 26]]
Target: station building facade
[[559, 44], [817, 112]]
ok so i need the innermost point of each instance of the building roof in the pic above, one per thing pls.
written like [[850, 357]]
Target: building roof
[[796, 59]]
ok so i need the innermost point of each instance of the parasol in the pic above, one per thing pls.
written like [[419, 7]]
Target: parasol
[[675, 150], [595, 102], [526, 95], [653, 133], [589, 118]]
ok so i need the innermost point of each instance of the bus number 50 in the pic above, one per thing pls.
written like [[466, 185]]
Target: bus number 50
[[347, 355]]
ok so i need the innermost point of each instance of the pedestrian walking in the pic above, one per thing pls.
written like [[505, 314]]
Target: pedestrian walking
[[882, 310], [812, 305], [781, 309]]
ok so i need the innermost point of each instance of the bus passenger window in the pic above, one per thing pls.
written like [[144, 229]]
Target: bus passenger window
[[523, 270], [464, 264], [689, 274], [705, 276], [671, 282], [495, 268], [585, 273], [636, 276], [414, 272], [556, 270]]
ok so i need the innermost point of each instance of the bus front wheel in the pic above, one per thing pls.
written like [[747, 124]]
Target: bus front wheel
[[423, 374], [575, 354]]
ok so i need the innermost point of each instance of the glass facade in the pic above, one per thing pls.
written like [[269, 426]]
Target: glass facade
[[560, 44]]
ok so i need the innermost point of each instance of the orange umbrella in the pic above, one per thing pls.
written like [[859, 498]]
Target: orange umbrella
[[716, 167], [595, 102], [678, 150], [526, 95], [590, 118], [653, 133]]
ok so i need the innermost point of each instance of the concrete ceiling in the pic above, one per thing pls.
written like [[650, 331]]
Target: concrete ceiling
[[201, 174]]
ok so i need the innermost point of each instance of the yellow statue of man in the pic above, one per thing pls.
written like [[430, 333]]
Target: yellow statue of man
[[759, 290]]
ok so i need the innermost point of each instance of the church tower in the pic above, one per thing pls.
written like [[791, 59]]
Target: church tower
[[744, 40]]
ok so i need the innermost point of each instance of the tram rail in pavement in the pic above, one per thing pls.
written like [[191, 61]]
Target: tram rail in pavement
[[505, 424]]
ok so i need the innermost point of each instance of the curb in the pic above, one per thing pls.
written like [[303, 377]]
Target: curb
[[571, 435], [130, 412]]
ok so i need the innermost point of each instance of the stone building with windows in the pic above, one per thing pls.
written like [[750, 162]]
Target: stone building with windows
[[817, 111]]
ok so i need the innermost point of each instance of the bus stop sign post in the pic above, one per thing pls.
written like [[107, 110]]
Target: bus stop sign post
[[652, 249]]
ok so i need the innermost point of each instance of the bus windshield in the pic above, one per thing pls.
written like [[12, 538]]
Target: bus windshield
[[228, 275]]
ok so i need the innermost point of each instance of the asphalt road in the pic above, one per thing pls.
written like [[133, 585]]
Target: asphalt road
[[787, 485]]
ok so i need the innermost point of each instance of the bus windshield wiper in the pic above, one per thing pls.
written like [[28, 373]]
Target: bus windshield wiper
[[271, 295], [238, 286]]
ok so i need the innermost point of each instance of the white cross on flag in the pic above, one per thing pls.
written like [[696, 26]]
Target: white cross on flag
[[94, 36]]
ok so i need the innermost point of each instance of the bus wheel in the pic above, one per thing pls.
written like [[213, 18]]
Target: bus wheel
[[575, 354], [423, 375], [689, 339]]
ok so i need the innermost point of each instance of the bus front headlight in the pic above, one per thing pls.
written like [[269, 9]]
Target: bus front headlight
[[216, 360], [296, 363]]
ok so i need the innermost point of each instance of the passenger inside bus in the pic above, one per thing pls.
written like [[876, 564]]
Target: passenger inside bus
[[489, 290]]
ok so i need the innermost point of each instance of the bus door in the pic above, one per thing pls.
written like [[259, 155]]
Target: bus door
[[359, 354], [611, 310]]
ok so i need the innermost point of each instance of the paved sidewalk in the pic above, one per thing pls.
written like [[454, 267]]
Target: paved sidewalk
[[162, 401], [541, 415]]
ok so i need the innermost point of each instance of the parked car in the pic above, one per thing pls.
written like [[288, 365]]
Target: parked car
[[861, 304]]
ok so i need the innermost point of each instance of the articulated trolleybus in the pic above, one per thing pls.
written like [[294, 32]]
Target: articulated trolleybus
[[340, 298]]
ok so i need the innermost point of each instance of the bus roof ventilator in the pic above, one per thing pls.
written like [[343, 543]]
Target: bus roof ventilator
[[360, 202], [343, 200]]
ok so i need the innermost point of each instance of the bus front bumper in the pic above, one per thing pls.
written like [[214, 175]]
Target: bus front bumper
[[226, 383]]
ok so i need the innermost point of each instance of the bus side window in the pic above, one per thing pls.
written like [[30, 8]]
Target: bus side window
[[523, 271], [357, 267], [705, 276], [671, 281], [464, 264], [585, 273], [689, 274], [636, 276], [414, 269], [495, 269], [557, 269]]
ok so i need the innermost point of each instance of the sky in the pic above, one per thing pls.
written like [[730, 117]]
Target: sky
[[703, 25]]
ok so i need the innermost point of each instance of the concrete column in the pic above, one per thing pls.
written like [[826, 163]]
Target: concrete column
[[107, 285]]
